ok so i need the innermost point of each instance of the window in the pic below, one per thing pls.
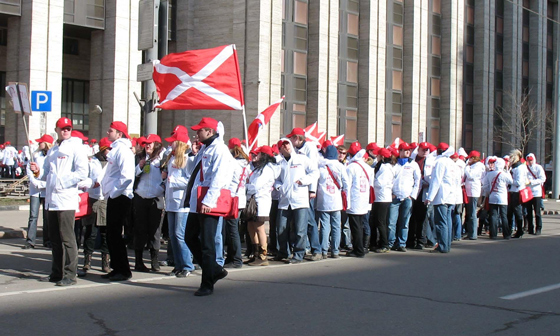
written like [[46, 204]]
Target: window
[[70, 46], [75, 102]]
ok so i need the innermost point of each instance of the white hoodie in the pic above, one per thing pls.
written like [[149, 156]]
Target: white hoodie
[[473, 179], [383, 183], [536, 176], [328, 194], [119, 172], [443, 185], [498, 195], [361, 178], [407, 180]]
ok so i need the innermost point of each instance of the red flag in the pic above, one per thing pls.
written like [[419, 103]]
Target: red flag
[[395, 143], [199, 79], [260, 121], [338, 140], [312, 134]]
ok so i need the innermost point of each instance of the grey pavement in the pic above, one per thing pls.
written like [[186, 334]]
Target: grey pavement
[[482, 287]]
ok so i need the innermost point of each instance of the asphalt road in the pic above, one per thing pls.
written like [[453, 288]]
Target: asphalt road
[[481, 288]]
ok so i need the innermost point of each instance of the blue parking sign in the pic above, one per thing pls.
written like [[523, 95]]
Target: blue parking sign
[[41, 101]]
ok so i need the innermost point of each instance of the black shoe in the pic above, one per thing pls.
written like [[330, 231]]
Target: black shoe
[[203, 292], [47, 244], [66, 282], [418, 247], [293, 261], [141, 268], [109, 275], [50, 278], [182, 274], [173, 272], [538, 233], [233, 265], [278, 258], [354, 254], [382, 250], [517, 236], [119, 277], [27, 246], [81, 273], [220, 276], [401, 249]]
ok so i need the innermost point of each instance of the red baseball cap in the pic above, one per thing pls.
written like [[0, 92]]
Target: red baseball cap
[[64, 122], [152, 138], [413, 145], [179, 129], [394, 151], [442, 146], [234, 142], [355, 147], [140, 141], [275, 149], [384, 152], [7, 143], [404, 146], [45, 138], [372, 146], [178, 136], [474, 154], [206, 123], [530, 157], [461, 157], [121, 127], [93, 141], [326, 144], [296, 131], [454, 156], [79, 135], [281, 142], [492, 160], [424, 145], [104, 143], [266, 150]]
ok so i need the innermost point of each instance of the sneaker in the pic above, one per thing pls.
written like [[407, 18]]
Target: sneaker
[[382, 250], [354, 254], [315, 257], [324, 256], [233, 265], [401, 249], [293, 261], [182, 274], [27, 246], [173, 272], [335, 256], [66, 282], [418, 247]]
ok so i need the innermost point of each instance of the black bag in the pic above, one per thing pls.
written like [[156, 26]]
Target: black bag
[[250, 212]]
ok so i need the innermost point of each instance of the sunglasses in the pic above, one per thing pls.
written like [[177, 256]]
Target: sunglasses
[[66, 129]]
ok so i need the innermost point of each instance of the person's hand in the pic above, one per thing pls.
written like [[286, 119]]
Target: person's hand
[[427, 202], [163, 175], [298, 182], [142, 163], [96, 185], [34, 167], [205, 209], [312, 195]]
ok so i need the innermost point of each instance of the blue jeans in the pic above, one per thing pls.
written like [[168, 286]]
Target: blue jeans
[[299, 217], [365, 222], [220, 242], [312, 230], [457, 221], [34, 205], [233, 241], [177, 223], [346, 235], [330, 231], [471, 224], [443, 226], [429, 227], [399, 216]]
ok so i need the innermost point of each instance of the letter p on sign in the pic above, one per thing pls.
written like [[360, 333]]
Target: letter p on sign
[[41, 101]]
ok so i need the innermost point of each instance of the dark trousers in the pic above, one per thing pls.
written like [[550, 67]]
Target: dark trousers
[[233, 241], [416, 228], [117, 211], [273, 244], [515, 211], [357, 230], [533, 205], [64, 247], [498, 215], [381, 211], [147, 228], [200, 236]]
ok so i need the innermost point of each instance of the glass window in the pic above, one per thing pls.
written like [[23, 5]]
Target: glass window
[[436, 45], [470, 15], [549, 75], [299, 120], [284, 9], [525, 34], [353, 5], [397, 80], [436, 66], [299, 108], [470, 35], [75, 102], [434, 132], [470, 54], [435, 87], [352, 96], [352, 72], [499, 25], [397, 35], [436, 6], [499, 99], [300, 91], [436, 24], [499, 62], [500, 44], [300, 63], [396, 130], [300, 12], [301, 37], [397, 58], [351, 129], [435, 108], [525, 69], [469, 93], [352, 47], [353, 24], [469, 113], [398, 13]]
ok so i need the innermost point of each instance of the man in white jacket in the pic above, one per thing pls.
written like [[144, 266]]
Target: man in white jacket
[[418, 223], [213, 170], [442, 195], [10, 160], [405, 190], [65, 166], [536, 177], [474, 173], [117, 190], [297, 172]]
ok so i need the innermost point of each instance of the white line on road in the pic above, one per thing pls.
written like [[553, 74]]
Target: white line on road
[[531, 292]]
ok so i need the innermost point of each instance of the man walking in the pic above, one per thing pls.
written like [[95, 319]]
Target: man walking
[[66, 164]]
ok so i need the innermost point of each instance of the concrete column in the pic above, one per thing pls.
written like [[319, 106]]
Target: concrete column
[[484, 58], [452, 71], [322, 65], [35, 57], [415, 68], [371, 66]]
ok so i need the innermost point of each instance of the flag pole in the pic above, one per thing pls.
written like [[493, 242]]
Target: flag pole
[[245, 128], [23, 118]]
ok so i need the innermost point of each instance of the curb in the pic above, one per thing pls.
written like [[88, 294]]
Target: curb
[[14, 208]]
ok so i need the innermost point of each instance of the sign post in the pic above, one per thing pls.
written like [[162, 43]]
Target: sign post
[[20, 101]]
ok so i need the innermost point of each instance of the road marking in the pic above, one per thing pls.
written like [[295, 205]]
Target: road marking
[[531, 292]]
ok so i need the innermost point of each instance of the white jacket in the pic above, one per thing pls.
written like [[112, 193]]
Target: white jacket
[[359, 185], [458, 175], [216, 172], [443, 185], [519, 175], [176, 184], [151, 184], [536, 181], [10, 156], [498, 195], [298, 168], [383, 183], [429, 163], [309, 149], [119, 172], [328, 194], [66, 164], [96, 171], [37, 186], [260, 185], [473, 179], [407, 180], [241, 170]]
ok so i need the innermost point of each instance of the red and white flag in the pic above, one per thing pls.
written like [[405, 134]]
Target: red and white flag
[[338, 140], [312, 134], [395, 143], [206, 79], [260, 121]]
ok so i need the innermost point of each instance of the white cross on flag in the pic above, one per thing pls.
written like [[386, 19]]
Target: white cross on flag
[[260, 121], [312, 134], [338, 140], [205, 79]]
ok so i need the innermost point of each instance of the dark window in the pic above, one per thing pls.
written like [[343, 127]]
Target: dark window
[[436, 66], [436, 24], [397, 13], [469, 71], [470, 34], [499, 44], [499, 7], [75, 102], [70, 46], [3, 36], [499, 77]]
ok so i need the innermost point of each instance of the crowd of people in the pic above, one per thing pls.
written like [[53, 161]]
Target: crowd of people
[[207, 196]]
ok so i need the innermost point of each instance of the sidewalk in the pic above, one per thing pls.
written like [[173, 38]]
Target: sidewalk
[[13, 219]]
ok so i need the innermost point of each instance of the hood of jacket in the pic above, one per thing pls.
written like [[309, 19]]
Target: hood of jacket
[[331, 153], [450, 151], [359, 156], [118, 143], [500, 164]]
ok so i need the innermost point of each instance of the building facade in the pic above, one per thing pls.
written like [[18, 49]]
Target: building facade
[[478, 74]]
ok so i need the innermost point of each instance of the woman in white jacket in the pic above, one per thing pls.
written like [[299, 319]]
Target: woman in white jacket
[[259, 186], [515, 207], [332, 181], [474, 173], [176, 174], [536, 177], [495, 185], [383, 186]]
